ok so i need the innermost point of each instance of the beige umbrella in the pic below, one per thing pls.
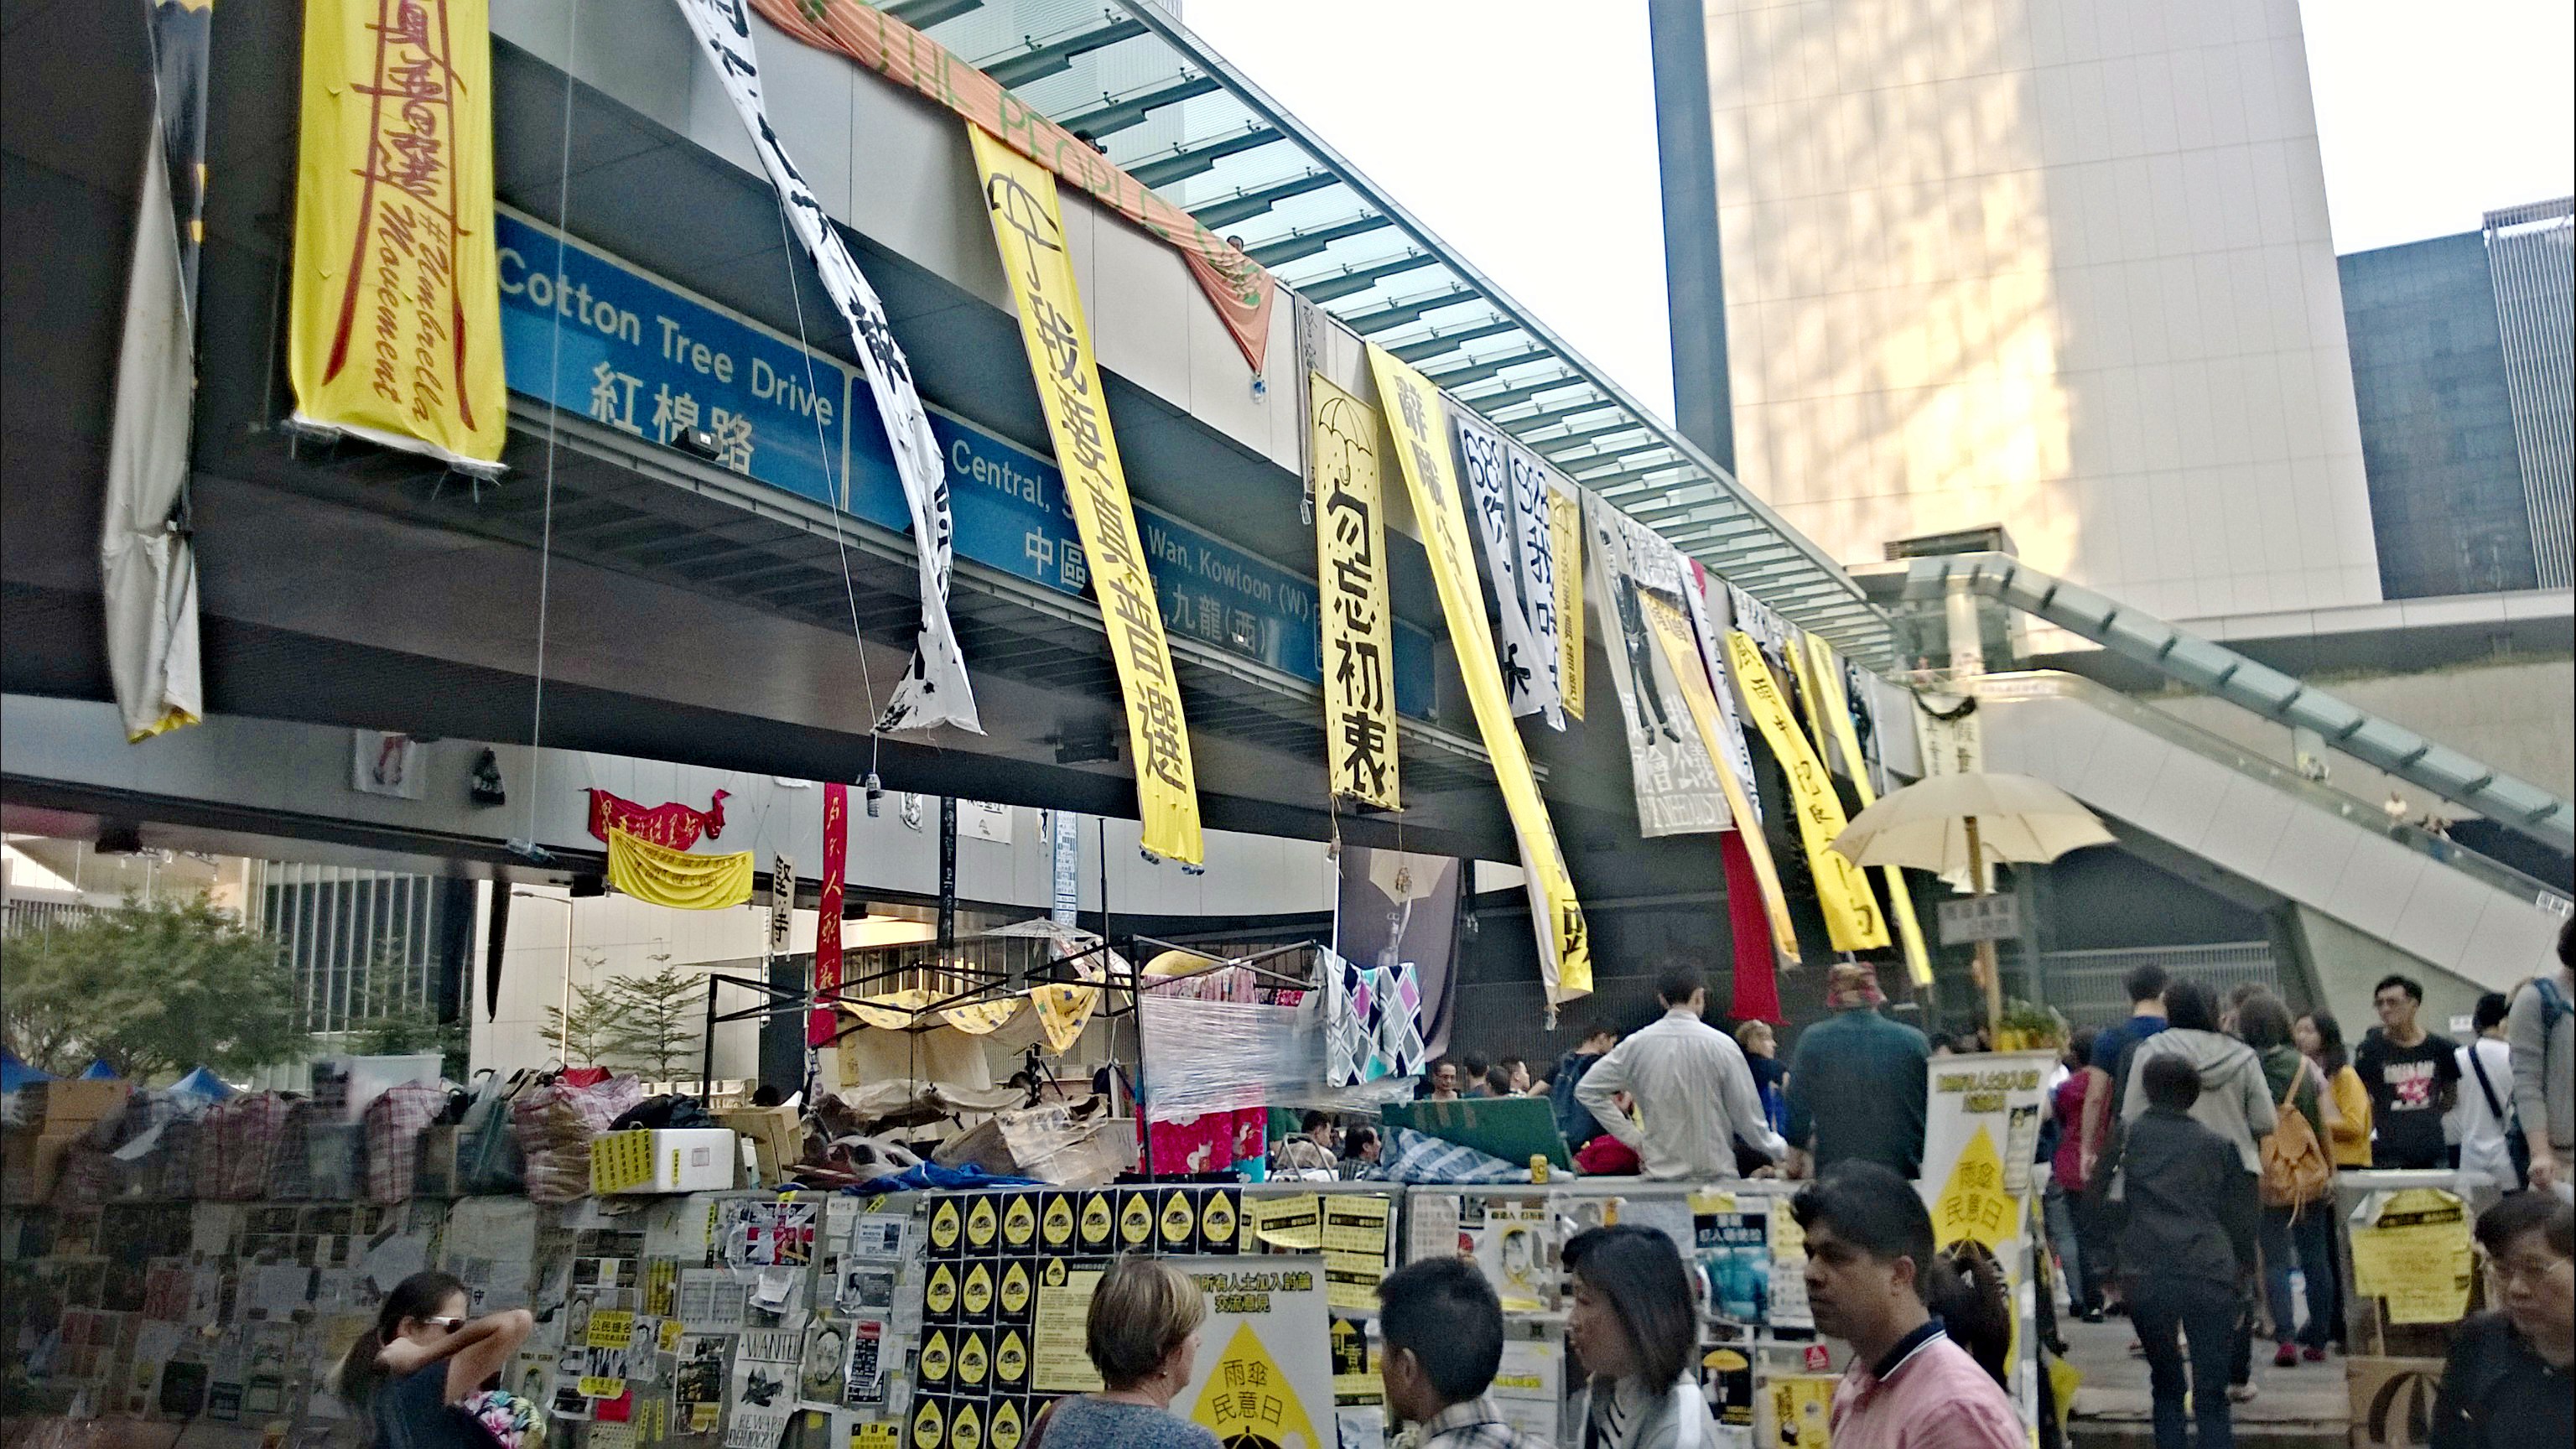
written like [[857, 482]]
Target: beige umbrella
[[1940, 823], [1953, 823]]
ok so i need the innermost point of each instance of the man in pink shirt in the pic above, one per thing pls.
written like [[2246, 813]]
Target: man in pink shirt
[[1874, 1281]]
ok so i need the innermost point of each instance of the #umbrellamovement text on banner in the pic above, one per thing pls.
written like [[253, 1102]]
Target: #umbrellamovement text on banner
[[1852, 918], [1350, 553], [394, 315], [1028, 231], [1413, 413]]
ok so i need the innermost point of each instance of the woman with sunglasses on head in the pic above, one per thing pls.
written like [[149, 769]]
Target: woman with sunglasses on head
[[415, 1370]]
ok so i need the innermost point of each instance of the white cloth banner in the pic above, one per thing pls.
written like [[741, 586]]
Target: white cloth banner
[[934, 691], [148, 571], [1528, 677], [1534, 569]]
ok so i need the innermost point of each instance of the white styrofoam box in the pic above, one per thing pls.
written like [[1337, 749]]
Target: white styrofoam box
[[663, 1159]]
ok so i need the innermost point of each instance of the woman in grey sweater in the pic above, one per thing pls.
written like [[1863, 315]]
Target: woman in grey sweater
[[2235, 1102]]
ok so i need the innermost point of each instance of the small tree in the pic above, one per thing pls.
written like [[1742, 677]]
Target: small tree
[[658, 1020], [152, 989], [593, 1035]]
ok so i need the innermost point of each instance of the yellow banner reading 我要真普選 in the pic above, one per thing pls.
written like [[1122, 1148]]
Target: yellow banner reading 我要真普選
[[1833, 703], [1680, 648], [677, 878], [394, 321], [1565, 540], [1028, 231], [1852, 918], [1350, 554], [1411, 407]]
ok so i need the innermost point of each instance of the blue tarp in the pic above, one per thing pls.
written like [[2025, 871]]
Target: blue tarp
[[99, 1072], [203, 1083], [15, 1073]]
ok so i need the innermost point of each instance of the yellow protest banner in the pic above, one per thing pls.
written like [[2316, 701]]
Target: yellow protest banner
[[1028, 229], [1852, 920], [676, 878], [1412, 408], [1833, 704], [1699, 694], [1565, 538], [1350, 553], [394, 317]]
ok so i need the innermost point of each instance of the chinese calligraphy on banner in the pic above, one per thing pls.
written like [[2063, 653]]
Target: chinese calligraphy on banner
[[1485, 465], [393, 331], [1565, 533], [1852, 918], [820, 1025], [1029, 232], [1412, 408], [1834, 703], [1350, 551], [1672, 632], [934, 691], [1671, 770], [1240, 288], [669, 823], [1534, 568]]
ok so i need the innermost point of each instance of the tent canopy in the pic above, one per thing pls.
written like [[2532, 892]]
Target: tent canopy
[[99, 1072], [15, 1073], [203, 1083]]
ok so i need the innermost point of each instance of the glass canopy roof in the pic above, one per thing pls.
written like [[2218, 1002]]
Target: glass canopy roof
[[1175, 115]]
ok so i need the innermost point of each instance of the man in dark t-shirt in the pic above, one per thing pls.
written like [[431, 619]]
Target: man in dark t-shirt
[[2413, 1077]]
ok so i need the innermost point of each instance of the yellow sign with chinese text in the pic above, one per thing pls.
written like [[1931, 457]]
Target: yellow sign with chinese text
[[1699, 696], [1350, 553], [1028, 229], [1833, 703], [1973, 1203], [1565, 539], [676, 878], [1421, 434], [394, 315], [1852, 919]]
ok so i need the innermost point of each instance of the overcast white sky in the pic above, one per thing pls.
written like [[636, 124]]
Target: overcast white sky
[[1524, 133]]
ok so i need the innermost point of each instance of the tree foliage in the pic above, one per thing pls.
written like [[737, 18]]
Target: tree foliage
[[152, 989], [646, 1024], [399, 1021]]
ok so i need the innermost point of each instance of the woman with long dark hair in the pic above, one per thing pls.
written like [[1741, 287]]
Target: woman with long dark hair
[[2320, 1037], [423, 1358], [1635, 1326]]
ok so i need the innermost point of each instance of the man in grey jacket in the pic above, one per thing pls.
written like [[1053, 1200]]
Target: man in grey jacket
[[2542, 1032]]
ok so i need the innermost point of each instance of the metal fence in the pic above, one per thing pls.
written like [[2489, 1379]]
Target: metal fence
[[2086, 985]]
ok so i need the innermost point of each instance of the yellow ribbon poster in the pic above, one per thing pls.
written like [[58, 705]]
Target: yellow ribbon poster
[[394, 327], [676, 878], [1350, 553], [1565, 538], [1699, 695], [1028, 229], [1421, 435], [1852, 920], [1833, 705]]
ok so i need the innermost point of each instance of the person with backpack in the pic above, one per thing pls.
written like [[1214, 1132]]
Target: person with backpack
[[2483, 1120], [2297, 1185], [2542, 1033]]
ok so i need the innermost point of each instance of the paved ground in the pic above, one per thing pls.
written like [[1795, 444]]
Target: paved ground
[[2292, 1408]]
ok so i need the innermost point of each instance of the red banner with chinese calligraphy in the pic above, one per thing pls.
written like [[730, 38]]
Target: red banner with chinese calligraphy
[[1239, 286], [394, 322], [827, 925], [669, 824]]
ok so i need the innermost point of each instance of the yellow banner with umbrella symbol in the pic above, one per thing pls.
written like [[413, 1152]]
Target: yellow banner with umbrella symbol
[[677, 878], [1350, 550], [1852, 919], [1412, 408], [1028, 230]]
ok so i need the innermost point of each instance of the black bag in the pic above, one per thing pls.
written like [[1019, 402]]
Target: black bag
[[664, 1112]]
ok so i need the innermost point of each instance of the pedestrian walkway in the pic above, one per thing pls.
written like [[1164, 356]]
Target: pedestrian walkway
[[2294, 1408]]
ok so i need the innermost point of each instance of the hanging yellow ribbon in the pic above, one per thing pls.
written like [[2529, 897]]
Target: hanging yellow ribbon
[[676, 878]]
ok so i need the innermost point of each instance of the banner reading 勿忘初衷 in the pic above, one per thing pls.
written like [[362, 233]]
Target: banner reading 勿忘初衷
[[394, 315], [1412, 408], [1028, 231], [1350, 556]]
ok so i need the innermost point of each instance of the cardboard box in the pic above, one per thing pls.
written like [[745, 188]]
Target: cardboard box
[[2392, 1400], [29, 1164], [662, 1159], [438, 1176], [776, 1136], [72, 1107], [1052, 1144]]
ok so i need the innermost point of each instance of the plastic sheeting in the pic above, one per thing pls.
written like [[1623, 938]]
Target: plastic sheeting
[[1212, 1056]]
